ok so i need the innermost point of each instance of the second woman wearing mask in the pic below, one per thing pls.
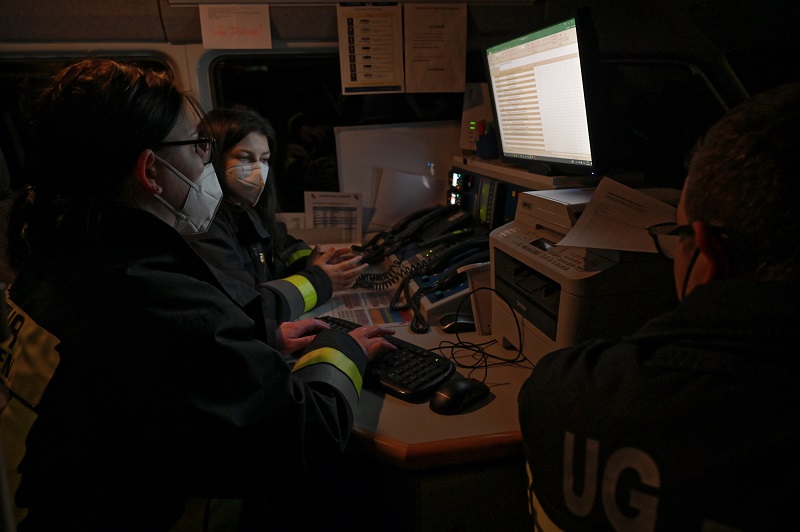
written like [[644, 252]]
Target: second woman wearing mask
[[247, 242]]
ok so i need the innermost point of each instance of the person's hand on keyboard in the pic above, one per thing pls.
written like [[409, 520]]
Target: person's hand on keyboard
[[372, 341], [294, 336]]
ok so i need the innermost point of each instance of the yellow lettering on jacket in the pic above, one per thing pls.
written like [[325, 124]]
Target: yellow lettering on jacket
[[28, 359]]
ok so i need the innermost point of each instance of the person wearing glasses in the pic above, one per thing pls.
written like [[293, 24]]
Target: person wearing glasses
[[135, 394], [689, 423], [247, 242]]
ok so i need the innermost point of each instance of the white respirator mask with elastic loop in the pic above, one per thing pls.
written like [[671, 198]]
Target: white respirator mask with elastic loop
[[202, 203], [247, 181]]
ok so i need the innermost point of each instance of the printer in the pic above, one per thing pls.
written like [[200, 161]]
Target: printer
[[546, 296]]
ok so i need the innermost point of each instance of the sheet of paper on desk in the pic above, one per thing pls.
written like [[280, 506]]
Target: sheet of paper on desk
[[366, 307], [617, 217]]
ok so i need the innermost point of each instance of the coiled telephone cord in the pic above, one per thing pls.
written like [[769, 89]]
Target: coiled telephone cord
[[397, 272]]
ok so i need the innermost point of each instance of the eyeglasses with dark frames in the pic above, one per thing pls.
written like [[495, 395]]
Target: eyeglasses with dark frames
[[203, 146], [667, 235]]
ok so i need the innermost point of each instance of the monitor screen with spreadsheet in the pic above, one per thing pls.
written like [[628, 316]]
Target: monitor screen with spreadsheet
[[541, 93]]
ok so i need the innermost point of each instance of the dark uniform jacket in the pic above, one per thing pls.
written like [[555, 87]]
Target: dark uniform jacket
[[140, 384], [689, 424], [238, 244]]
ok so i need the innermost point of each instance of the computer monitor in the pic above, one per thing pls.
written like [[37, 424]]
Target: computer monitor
[[541, 92], [398, 168]]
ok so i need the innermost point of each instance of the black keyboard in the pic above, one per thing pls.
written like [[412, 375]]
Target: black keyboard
[[410, 372]]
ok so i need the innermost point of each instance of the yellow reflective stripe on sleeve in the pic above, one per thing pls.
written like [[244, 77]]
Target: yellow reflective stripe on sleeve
[[306, 290], [327, 355], [297, 255]]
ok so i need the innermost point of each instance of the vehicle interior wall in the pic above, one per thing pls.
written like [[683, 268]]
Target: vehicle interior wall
[[739, 31], [670, 69], [39, 37]]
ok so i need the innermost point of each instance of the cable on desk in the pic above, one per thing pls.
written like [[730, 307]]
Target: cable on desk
[[418, 324], [473, 350], [395, 303], [402, 288]]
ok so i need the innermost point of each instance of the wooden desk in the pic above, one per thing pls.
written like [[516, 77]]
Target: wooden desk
[[413, 437], [463, 472]]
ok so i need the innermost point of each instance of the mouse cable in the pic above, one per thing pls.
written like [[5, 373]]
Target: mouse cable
[[472, 349], [463, 350], [519, 357], [459, 351]]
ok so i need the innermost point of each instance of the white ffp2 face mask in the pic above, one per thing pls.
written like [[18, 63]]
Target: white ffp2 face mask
[[247, 181], [201, 204]]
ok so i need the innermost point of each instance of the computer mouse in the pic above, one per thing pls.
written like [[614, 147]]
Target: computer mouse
[[456, 395], [457, 323]]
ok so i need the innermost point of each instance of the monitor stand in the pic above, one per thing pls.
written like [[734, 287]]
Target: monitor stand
[[539, 168]]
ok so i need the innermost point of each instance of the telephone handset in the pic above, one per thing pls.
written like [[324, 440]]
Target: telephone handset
[[424, 224], [416, 215], [441, 259], [450, 278], [396, 228], [445, 262], [437, 261], [434, 223]]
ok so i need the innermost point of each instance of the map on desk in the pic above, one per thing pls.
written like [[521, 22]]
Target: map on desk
[[367, 307]]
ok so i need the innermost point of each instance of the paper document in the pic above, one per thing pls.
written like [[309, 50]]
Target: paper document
[[366, 307], [617, 217], [370, 48], [235, 26], [435, 46], [335, 210]]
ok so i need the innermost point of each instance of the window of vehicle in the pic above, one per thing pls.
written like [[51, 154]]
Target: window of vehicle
[[301, 95], [20, 81]]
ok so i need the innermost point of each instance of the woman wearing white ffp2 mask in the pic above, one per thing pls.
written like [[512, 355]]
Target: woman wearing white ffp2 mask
[[247, 242], [201, 204], [246, 181]]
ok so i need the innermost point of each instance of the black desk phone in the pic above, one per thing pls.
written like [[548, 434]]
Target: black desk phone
[[438, 271], [422, 227]]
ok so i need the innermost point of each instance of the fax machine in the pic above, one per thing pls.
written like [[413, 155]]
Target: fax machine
[[563, 295]]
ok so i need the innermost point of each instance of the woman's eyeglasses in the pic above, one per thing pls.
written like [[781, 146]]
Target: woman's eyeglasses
[[203, 146]]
